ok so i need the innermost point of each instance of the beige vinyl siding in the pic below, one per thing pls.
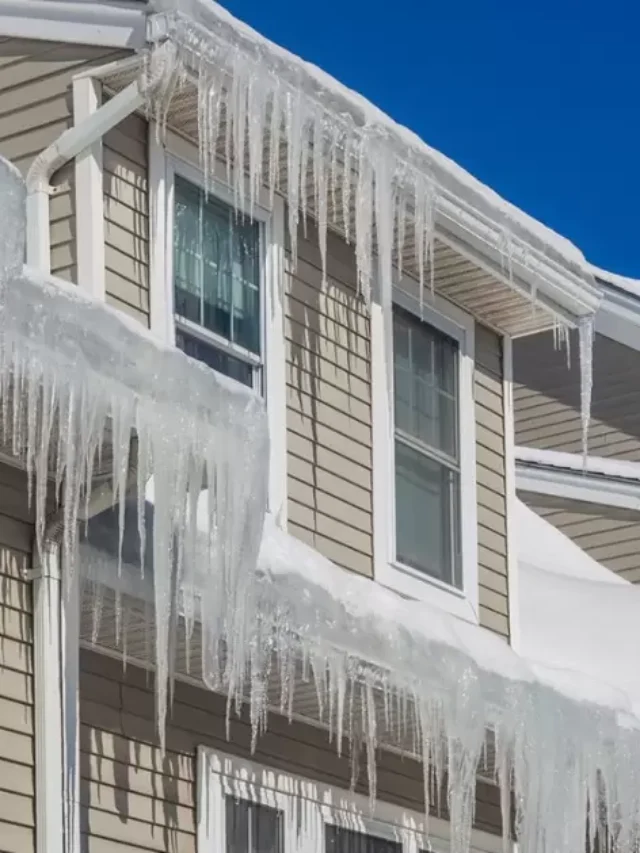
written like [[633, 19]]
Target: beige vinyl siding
[[36, 106], [16, 667], [126, 217], [490, 474], [133, 798], [547, 397], [608, 534], [328, 405]]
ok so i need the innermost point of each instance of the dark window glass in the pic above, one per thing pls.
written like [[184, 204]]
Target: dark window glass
[[215, 358], [253, 828], [340, 840]]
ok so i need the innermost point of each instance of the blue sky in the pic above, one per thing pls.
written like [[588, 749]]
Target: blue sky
[[544, 105]]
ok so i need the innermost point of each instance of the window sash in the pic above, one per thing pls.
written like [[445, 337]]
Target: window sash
[[236, 295], [440, 557]]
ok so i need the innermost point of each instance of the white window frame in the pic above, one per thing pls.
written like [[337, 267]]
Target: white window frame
[[459, 325], [178, 156], [220, 775]]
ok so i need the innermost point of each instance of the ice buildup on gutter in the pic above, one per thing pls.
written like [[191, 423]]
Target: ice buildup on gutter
[[282, 123], [388, 671], [89, 397]]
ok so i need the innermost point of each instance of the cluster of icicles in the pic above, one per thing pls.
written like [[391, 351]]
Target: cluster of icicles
[[96, 408], [378, 670], [286, 129]]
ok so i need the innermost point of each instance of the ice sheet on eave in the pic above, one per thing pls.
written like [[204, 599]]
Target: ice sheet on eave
[[355, 111], [90, 400], [560, 735]]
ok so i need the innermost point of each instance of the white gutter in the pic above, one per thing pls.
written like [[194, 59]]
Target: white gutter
[[68, 145], [604, 482]]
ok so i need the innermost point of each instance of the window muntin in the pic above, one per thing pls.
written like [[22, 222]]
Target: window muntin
[[217, 261], [427, 453]]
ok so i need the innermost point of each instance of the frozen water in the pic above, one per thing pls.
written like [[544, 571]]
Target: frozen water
[[13, 194], [391, 671], [271, 99], [89, 396]]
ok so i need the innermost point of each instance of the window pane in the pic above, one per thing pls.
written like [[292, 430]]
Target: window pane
[[253, 828], [427, 515], [187, 260], [340, 840], [216, 266], [214, 358], [425, 367]]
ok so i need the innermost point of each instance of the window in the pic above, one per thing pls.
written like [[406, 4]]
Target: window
[[424, 456], [427, 467], [244, 807], [217, 271]]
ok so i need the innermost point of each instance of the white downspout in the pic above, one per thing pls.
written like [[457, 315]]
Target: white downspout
[[71, 143], [56, 796]]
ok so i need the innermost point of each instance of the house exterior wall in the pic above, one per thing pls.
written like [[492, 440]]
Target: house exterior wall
[[326, 328], [610, 535], [547, 397], [133, 798], [36, 106], [17, 814]]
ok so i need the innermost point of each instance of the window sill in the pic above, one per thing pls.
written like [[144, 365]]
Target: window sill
[[413, 584]]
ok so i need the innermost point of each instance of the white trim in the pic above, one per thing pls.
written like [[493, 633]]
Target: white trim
[[95, 22], [177, 155], [308, 805], [461, 326], [89, 218], [511, 496], [48, 703], [579, 486]]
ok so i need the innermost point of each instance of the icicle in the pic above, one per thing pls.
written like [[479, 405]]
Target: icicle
[[320, 191], [585, 339], [364, 221]]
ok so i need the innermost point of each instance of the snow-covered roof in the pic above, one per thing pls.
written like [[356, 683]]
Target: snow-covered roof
[[621, 469], [386, 670], [335, 138]]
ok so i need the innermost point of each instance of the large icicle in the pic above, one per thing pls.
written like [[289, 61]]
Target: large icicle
[[81, 385]]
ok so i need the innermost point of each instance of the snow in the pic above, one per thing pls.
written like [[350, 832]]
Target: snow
[[79, 384], [630, 285], [619, 468]]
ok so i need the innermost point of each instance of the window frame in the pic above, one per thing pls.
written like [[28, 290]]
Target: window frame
[[171, 154], [408, 581], [220, 774], [261, 215]]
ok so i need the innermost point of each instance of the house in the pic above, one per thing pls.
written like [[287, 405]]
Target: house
[[597, 507], [248, 290]]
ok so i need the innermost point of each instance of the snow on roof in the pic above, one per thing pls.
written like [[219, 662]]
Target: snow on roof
[[621, 469], [209, 37], [578, 619]]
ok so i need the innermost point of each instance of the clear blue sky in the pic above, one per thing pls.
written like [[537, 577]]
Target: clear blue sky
[[540, 100]]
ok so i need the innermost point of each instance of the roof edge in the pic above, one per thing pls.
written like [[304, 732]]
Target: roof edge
[[104, 24]]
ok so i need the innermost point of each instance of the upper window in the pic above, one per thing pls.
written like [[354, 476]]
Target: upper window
[[424, 451], [427, 459], [217, 274]]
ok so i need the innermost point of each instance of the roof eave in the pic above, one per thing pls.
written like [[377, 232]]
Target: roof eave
[[99, 23]]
